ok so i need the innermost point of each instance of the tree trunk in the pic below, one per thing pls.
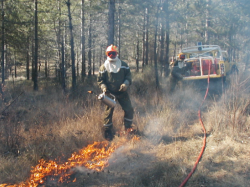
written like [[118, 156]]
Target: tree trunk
[[93, 67], [207, 33], [143, 41], [28, 59], [161, 50], [77, 63], [83, 43], [166, 65], [137, 54], [15, 68], [3, 38], [72, 47], [63, 60], [7, 63], [111, 22], [89, 46], [46, 65], [155, 54], [100, 61], [58, 34], [146, 39], [35, 73], [230, 48], [119, 30], [175, 43]]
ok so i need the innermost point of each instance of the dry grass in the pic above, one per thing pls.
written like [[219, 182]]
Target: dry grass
[[52, 125]]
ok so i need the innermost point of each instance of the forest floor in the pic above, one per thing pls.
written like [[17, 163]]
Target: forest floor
[[50, 125]]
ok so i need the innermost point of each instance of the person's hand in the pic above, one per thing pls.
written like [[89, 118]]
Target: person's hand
[[123, 87], [104, 89]]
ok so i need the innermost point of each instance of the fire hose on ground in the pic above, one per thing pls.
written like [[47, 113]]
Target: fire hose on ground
[[204, 132]]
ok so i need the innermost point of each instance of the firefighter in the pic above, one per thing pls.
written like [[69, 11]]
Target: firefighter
[[115, 77], [177, 70]]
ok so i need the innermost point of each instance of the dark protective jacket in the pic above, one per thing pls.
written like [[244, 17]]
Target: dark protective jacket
[[112, 80]]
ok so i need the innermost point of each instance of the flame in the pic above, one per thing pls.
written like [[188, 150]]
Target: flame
[[94, 156]]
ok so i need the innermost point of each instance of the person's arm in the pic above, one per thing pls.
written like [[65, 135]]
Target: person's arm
[[101, 79], [127, 78]]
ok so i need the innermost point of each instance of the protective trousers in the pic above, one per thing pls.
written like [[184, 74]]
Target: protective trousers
[[176, 76], [125, 103]]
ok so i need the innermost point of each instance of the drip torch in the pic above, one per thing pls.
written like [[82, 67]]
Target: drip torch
[[104, 98]]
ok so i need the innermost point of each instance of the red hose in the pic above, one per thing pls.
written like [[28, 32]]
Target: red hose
[[204, 132]]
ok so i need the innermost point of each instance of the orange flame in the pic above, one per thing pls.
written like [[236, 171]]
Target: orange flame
[[94, 156]]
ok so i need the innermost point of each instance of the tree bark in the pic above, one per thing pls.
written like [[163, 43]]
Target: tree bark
[[46, 65], [28, 59], [63, 60], [119, 30], [137, 54], [89, 46], [93, 67], [111, 22], [161, 48], [155, 53], [166, 65], [146, 39], [100, 60], [15, 68], [3, 38], [83, 43], [143, 41], [35, 73], [207, 33], [72, 47]]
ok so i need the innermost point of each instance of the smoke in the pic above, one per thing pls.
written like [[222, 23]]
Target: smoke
[[153, 130], [131, 160], [83, 170]]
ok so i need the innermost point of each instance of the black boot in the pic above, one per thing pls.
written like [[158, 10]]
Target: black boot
[[108, 133]]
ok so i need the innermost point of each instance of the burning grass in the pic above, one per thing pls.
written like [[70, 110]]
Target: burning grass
[[49, 138], [93, 157]]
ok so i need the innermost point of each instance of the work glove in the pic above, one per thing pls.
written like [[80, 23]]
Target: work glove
[[124, 86], [104, 88]]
